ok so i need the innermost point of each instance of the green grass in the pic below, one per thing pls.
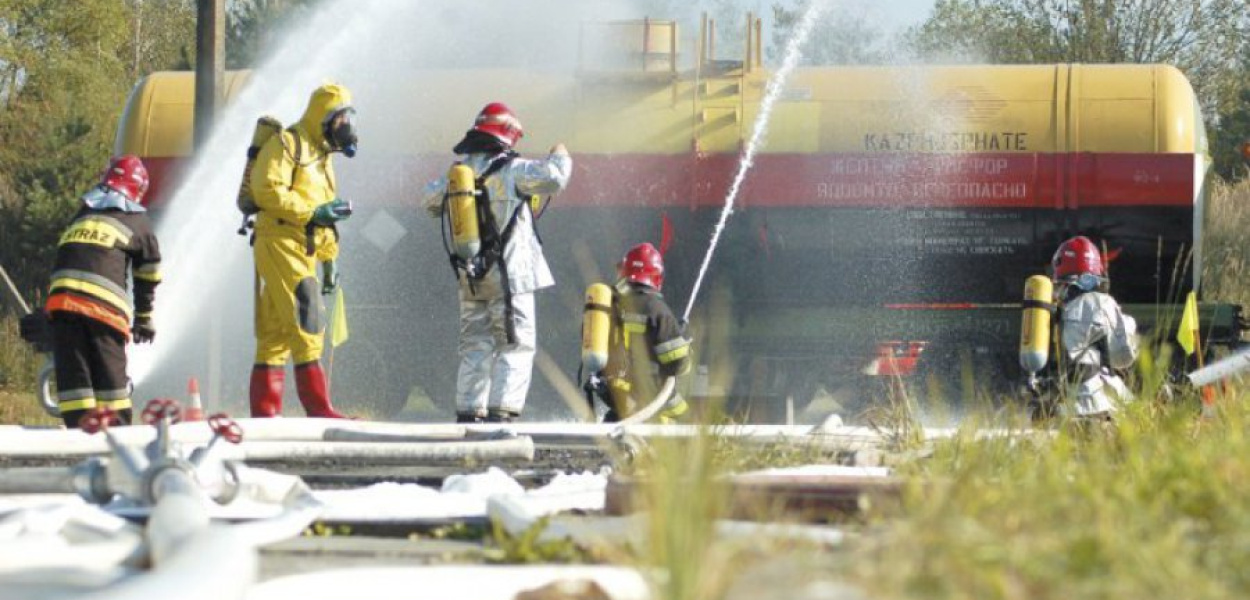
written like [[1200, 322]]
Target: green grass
[[19, 369], [683, 500], [1152, 507], [528, 547], [22, 408]]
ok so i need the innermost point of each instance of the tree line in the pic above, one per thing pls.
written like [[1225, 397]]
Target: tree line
[[66, 69]]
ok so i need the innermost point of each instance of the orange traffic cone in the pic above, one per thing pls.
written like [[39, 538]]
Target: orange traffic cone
[[195, 409]]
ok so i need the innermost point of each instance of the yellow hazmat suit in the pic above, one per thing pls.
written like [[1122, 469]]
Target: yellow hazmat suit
[[289, 314]]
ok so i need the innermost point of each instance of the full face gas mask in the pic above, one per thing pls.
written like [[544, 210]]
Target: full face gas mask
[[339, 129], [1069, 289]]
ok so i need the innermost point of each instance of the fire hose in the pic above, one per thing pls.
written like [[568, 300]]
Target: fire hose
[[645, 413], [1224, 368]]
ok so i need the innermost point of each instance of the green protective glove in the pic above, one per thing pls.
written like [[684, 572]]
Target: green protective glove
[[332, 212], [329, 277]]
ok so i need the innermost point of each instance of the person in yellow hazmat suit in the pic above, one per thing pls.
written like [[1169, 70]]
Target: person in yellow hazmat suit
[[293, 186]]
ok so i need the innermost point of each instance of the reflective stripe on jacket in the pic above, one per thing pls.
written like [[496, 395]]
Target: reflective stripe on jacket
[[647, 344], [98, 252]]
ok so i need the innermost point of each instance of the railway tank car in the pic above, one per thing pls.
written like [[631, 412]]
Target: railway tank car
[[885, 230]]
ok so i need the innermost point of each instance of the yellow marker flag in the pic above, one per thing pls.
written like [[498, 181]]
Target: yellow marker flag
[[1188, 328], [338, 323]]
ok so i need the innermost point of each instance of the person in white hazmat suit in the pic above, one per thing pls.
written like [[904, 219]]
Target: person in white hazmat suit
[[498, 335], [1097, 338]]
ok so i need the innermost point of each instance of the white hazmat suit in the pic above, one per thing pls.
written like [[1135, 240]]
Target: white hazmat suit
[[1098, 338], [495, 367]]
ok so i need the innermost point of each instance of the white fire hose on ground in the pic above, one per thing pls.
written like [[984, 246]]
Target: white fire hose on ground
[[1224, 368], [276, 439], [178, 491]]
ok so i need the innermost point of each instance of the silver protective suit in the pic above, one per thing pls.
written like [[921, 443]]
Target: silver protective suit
[[493, 373], [1098, 339]]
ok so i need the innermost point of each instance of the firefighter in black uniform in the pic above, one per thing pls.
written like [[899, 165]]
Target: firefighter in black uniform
[[90, 309], [646, 344]]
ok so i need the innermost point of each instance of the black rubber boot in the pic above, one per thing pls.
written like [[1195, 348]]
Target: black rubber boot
[[499, 415], [469, 418]]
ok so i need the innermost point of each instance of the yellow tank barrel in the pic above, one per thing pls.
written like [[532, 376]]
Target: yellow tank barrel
[[1035, 323], [466, 237], [596, 327], [266, 127]]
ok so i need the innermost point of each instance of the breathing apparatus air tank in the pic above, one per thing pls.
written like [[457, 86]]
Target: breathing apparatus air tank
[[596, 327], [266, 127], [466, 238], [1035, 324]]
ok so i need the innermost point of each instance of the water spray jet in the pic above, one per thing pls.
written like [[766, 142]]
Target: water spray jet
[[772, 92]]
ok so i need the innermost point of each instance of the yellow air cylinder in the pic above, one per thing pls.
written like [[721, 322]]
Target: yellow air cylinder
[[266, 127], [596, 327], [1035, 323], [466, 239]]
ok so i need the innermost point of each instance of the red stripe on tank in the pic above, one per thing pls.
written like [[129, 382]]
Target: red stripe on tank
[[1054, 181]]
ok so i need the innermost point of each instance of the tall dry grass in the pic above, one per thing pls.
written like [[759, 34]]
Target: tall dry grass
[[19, 369], [1226, 249], [1153, 507], [19, 364], [684, 498]]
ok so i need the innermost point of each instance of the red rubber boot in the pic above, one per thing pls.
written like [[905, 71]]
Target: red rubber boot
[[310, 382], [265, 391]]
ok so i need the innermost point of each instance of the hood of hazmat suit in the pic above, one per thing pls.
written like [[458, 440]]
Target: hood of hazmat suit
[[294, 176]]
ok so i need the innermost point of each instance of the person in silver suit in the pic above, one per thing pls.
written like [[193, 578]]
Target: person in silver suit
[[498, 336]]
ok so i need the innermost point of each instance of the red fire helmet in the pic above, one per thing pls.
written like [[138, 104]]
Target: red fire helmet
[[643, 264], [497, 119], [127, 175], [1075, 257]]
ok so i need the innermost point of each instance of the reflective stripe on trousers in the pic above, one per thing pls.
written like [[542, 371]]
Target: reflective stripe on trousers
[[493, 373], [90, 359]]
